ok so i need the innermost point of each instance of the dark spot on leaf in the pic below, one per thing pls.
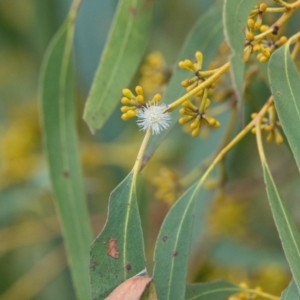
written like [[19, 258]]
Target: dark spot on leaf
[[94, 265], [66, 174], [175, 253], [133, 11], [164, 239], [278, 93], [128, 267], [275, 29], [112, 249]]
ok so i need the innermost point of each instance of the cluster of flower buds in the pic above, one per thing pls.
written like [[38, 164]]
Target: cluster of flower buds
[[168, 186], [133, 104], [154, 73], [150, 115], [271, 126], [264, 45], [197, 116], [195, 68]]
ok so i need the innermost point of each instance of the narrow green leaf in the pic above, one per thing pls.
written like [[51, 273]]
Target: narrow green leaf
[[284, 79], [58, 120], [173, 245], [118, 252], [218, 290], [199, 39], [235, 17], [291, 292], [122, 54], [288, 232]]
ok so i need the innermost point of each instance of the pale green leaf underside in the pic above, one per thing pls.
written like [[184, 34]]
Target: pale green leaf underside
[[218, 290], [122, 54], [284, 79], [118, 252], [291, 292], [288, 232], [58, 120], [199, 39]]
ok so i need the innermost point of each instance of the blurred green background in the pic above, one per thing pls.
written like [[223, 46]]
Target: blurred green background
[[239, 240]]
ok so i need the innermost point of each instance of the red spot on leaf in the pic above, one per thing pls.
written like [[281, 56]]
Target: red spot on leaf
[[112, 249], [133, 11]]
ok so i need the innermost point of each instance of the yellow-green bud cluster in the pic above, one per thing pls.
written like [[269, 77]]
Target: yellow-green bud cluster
[[271, 126], [168, 186], [134, 103], [154, 73], [195, 68], [196, 117], [264, 45]]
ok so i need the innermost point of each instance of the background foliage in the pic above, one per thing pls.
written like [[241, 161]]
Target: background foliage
[[235, 238]]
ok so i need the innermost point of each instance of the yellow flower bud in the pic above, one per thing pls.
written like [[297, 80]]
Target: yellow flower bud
[[278, 137], [247, 53], [126, 101], [270, 137], [139, 90], [282, 40], [196, 132], [190, 105], [182, 111], [199, 58], [265, 52], [263, 28], [249, 36], [125, 109], [181, 65], [127, 93], [212, 122], [195, 124], [185, 119], [263, 7], [186, 83], [251, 23], [258, 22], [140, 99], [157, 98], [189, 65]]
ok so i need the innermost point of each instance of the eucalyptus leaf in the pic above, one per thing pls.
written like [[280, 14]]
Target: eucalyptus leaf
[[291, 292], [58, 120], [218, 290], [118, 252], [122, 54], [235, 17], [199, 39], [284, 79], [288, 232], [172, 247]]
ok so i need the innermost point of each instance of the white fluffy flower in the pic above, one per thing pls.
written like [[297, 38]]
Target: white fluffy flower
[[154, 117]]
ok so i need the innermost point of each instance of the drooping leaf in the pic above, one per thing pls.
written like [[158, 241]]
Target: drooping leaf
[[235, 17], [118, 252], [291, 292], [218, 290], [134, 288], [58, 120], [284, 79], [123, 51], [199, 39], [288, 232]]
